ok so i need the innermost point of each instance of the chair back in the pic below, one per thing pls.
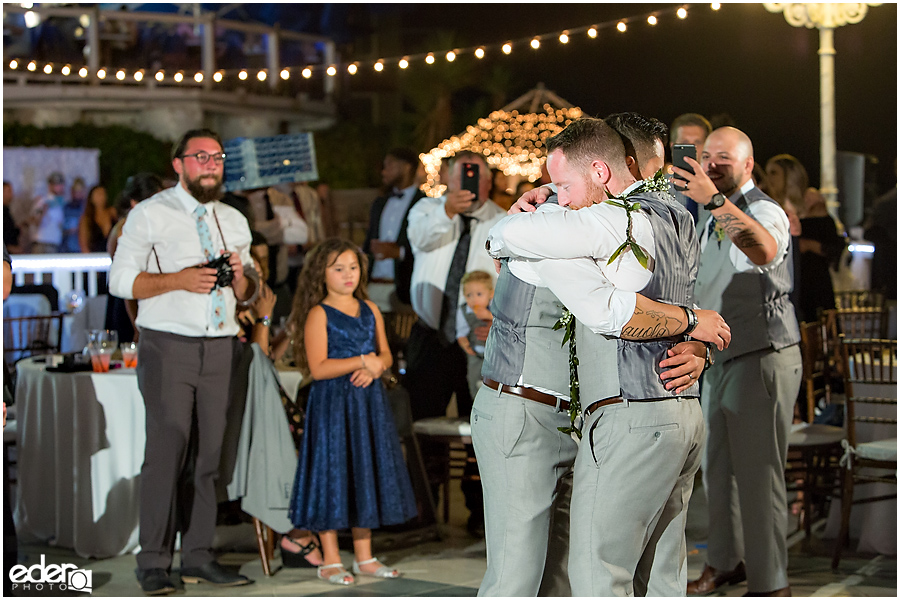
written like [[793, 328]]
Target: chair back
[[816, 370], [859, 299], [853, 323], [27, 336], [870, 384]]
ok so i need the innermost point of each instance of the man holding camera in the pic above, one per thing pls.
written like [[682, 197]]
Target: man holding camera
[[181, 255]]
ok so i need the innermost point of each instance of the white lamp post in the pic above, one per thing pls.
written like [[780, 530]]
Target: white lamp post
[[826, 17]]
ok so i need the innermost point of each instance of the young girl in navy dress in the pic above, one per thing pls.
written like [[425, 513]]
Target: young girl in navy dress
[[351, 472]]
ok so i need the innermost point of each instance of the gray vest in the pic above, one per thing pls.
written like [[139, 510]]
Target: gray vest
[[756, 306], [672, 282], [522, 340]]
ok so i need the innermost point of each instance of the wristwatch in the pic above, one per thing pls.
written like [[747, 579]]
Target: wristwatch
[[710, 357], [718, 201], [264, 320]]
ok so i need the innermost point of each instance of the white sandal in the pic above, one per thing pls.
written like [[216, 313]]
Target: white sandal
[[382, 571], [342, 577]]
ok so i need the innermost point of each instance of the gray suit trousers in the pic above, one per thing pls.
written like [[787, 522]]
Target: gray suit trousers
[[748, 404], [525, 464], [633, 481]]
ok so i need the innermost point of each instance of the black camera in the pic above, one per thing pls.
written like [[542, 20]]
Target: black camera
[[224, 272]]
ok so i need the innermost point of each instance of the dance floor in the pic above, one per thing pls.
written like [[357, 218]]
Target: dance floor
[[455, 565]]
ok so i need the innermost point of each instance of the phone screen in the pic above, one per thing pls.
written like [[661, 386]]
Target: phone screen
[[470, 178], [679, 152]]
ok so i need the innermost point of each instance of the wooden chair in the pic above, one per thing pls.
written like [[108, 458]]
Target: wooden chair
[[855, 323], [859, 299], [447, 446], [27, 336], [867, 362], [813, 448]]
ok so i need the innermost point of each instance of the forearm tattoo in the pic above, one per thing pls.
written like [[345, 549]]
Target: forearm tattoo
[[654, 324], [740, 234]]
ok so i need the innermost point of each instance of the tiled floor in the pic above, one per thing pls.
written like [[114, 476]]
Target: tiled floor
[[454, 567]]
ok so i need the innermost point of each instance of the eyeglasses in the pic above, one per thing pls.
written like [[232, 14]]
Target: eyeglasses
[[203, 157]]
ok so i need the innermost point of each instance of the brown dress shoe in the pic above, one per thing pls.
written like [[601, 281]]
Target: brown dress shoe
[[785, 591], [712, 579]]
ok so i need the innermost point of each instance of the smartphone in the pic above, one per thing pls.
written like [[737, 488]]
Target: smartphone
[[470, 178], [679, 152]]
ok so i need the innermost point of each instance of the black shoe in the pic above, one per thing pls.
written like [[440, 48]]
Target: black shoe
[[475, 526], [154, 582], [214, 573]]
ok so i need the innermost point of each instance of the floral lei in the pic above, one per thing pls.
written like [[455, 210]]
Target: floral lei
[[657, 183]]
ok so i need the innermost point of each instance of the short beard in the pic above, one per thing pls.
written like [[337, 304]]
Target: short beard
[[204, 195]]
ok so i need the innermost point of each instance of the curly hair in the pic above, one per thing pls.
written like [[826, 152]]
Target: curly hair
[[311, 289]]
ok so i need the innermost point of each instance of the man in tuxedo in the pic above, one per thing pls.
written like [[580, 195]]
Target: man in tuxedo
[[386, 244], [689, 128], [749, 394]]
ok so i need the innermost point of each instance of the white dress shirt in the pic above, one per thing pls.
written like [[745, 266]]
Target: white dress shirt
[[433, 237], [569, 249], [389, 228], [164, 227], [772, 217]]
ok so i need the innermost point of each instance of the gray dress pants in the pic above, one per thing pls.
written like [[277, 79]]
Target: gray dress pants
[[748, 404], [525, 464], [633, 481], [179, 376]]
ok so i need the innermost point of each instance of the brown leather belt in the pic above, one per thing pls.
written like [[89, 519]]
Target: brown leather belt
[[528, 393], [616, 400]]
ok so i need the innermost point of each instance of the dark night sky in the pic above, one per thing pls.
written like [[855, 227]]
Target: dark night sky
[[741, 60]]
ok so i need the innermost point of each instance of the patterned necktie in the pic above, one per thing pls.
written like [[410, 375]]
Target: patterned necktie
[[454, 277], [217, 297]]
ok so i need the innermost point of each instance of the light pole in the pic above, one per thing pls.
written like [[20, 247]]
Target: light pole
[[826, 17]]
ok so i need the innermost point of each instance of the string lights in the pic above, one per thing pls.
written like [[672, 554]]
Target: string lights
[[378, 65], [510, 141]]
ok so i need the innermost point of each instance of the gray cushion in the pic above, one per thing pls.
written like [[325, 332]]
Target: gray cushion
[[814, 434], [443, 426], [878, 450]]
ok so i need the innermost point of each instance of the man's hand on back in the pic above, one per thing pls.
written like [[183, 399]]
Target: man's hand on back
[[530, 199]]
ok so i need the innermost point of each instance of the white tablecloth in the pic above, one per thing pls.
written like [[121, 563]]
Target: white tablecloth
[[874, 524], [81, 443], [80, 448]]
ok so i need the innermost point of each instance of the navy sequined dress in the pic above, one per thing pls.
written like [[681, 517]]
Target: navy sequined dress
[[350, 471]]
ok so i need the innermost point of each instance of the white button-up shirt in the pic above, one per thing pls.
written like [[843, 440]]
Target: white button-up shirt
[[567, 251], [163, 228]]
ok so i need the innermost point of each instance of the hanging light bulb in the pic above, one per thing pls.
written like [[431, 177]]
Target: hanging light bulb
[[621, 26], [536, 43], [13, 64], [429, 58], [32, 66], [715, 6], [285, 74], [159, 75], [507, 48], [138, 75], [198, 77], [451, 56], [564, 37], [48, 68], [66, 70], [242, 75], [261, 75], [592, 32], [307, 73], [332, 71], [479, 52], [179, 77], [217, 76], [682, 12], [379, 65], [101, 74], [120, 74], [652, 20]]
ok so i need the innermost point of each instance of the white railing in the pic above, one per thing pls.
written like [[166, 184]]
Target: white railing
[[66, 272]]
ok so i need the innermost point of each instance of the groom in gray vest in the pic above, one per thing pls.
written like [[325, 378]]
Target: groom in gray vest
[[749, 395], [523, 456]]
